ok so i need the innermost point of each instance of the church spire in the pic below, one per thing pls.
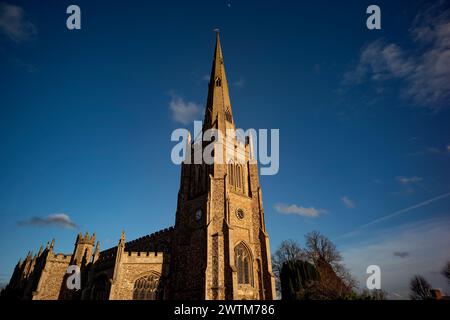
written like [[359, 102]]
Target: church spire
[[218, 106]]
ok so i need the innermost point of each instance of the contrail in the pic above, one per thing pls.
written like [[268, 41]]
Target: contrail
[[394, 214]]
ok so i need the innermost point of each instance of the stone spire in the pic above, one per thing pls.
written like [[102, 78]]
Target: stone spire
[[122, 239], [218, 112], [41, 249]]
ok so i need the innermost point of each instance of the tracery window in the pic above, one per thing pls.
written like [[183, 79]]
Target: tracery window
[[243, 264], [146, 288], [236, 176]]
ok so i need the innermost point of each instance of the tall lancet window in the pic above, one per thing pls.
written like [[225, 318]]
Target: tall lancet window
[[238, 176], [231, 174], [218, 82], [243, 260]]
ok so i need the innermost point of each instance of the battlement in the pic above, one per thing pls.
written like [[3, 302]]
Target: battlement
[[151, 235], [60, 257], [143, 257], [157, 241], [85, 239], [144, 254], [109, 254]]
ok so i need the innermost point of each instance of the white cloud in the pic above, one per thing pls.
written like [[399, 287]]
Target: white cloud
[[448, 148], [310, 212], [408, 180], [348, 202], [424, 72], [183, 112], [401, 252], [13, 23], [57, 219]]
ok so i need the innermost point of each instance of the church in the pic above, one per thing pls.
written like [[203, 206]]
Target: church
[[218, 248]]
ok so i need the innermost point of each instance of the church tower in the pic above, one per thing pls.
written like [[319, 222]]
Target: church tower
[[220, 248]]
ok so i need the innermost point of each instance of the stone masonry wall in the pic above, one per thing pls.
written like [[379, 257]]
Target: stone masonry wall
[[52, 276], [134, 265]]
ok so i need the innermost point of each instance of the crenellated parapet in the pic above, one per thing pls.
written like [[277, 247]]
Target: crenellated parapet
[[34, 275], [59, 257], [157, 241], [144, 257], [86, 239]]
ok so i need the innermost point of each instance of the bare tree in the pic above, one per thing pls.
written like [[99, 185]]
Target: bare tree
[[446, 271], [319, 247], [320, 250], [344, 274], [335, 280], [420, 288]]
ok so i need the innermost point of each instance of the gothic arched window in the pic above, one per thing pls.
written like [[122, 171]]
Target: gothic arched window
[[231, 174], [243, 260], [238, 176], [146, 288], [218, 82]]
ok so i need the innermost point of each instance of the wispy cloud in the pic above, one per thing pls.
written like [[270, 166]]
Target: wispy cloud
[[310, 212], [182, 111], [423, 250], [401, 254], [408, 180], [392, 215], [424, 72], [348, 202], [442, 151], [14, 24], [408, 184], [58, 219]]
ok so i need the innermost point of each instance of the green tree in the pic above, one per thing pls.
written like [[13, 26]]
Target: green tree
[[296, 278], [289, 250]]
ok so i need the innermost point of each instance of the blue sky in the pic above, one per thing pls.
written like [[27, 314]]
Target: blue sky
[[86, 118]]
